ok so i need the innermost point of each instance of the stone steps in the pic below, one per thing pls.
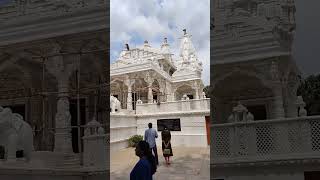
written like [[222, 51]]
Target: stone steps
[[57, 160]]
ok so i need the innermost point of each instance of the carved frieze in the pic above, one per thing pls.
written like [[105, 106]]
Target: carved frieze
[[38, 8]]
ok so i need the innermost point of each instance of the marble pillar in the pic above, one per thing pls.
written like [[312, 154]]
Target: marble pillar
[[150, 95], [129, 82], [63, 141], [61, 71], [129, 98]]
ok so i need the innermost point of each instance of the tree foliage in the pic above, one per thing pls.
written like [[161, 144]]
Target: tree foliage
[[309, 89]]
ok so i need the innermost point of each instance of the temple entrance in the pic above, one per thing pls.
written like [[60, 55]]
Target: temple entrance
[[248, 91], [74, 119]]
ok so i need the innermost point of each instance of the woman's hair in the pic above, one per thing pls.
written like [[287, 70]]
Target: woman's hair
[[145, 148]]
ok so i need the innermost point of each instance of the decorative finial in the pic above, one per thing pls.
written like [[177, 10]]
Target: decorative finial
[[165, 40], [185, 31], [146, 42]]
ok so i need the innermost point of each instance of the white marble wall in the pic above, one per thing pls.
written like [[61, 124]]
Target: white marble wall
[[193, 128], [122, 127], [174, 106]]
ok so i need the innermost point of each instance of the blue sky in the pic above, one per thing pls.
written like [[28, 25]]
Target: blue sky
[[133, 21]]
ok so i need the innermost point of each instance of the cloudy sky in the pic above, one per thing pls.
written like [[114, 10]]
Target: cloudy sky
[[134, 21], [306, 47]]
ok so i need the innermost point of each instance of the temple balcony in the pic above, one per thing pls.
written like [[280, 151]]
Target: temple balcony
[[266, 141], [174, 106]]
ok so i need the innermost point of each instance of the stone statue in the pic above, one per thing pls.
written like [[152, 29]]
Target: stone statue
[[301, 106], [250, 117], [204, 95], [115, 104], [230, 119], [15, 134], [185, 97]]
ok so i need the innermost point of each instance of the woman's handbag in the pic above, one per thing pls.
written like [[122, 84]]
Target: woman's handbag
[[166, 150]]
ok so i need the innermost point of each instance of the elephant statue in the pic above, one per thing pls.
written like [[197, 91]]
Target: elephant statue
[[15, 134], [114, 104]]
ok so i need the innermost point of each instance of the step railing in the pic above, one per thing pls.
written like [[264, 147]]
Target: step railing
[[267, 140]]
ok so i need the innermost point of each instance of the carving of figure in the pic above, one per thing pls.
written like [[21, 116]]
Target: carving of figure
[[204, 95], [63, 116], [185, 97], [15, 134], [301, 106], [231, 118], [115, 104], [240, 112], [250, 117]]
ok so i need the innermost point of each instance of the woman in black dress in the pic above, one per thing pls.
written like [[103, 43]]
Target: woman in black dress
[[166, 145]]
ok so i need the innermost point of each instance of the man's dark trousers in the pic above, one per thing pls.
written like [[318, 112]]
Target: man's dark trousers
[[154, 149]]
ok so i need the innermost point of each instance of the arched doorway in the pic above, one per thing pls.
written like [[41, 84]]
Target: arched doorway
[[184, 90], [247, 88]]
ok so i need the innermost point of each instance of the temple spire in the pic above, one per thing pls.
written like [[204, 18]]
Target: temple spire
[[146, 44], [165, 48], [187, 51]]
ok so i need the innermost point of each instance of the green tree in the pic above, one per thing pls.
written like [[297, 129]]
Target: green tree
[[309, 89]]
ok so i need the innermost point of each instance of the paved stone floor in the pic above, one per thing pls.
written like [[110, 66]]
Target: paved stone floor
[[186, 164]]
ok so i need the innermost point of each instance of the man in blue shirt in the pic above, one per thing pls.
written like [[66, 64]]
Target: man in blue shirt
[[150, 136], [146, 166]]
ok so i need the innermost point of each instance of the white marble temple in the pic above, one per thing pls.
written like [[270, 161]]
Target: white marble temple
[[150, 83]]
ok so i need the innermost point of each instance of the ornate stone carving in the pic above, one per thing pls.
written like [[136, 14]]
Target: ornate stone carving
[[240, 114], [15, 134], [115, 104], [204, 95], [63, 123], [301, 106]]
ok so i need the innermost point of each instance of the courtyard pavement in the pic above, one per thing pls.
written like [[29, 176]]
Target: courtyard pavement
[[186, 164]]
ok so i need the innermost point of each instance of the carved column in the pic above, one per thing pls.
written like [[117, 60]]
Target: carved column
[[129, 82], [129, 98], [57, 67], [150, 95], [149, 81], [282, 140], [278, 110]]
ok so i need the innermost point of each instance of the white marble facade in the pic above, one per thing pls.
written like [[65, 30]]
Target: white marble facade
[[152, 84], [260, 127], [41, 52]]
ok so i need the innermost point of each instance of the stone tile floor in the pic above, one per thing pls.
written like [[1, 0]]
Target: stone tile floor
[[186, 164]]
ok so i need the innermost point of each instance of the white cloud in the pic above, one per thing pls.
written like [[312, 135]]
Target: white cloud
[[155, 19]]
